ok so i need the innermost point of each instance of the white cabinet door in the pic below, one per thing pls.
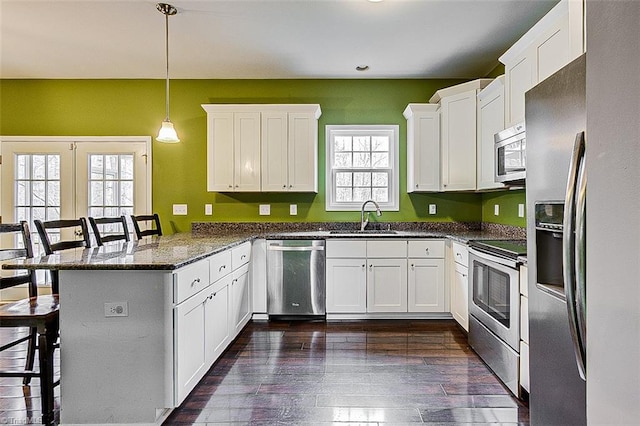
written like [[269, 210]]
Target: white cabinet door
[[303, 152], [426, 286], [274, 151], [490, 121], [346, 286], [518, 78], [423, 147], [387, 285], [460, 295], [458, 118], [246, 158], [220, 164], [216, 316], [551, 49], [189, 344], [240, 310]]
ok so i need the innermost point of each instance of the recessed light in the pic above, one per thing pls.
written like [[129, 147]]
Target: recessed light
[[362, 67], [374, 1]]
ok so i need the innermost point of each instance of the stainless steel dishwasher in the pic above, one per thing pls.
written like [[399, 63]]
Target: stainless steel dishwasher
[[295, 278]]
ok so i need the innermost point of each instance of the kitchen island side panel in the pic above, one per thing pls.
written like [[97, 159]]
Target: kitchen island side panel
[[115, 369]]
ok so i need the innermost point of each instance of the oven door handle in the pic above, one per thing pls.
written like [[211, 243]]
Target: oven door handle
[[495, 259]]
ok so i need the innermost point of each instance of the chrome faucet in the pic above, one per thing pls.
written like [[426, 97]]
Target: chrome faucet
[[363, 221]]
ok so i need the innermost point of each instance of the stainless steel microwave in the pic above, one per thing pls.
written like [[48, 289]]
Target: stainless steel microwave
[[510, 155]]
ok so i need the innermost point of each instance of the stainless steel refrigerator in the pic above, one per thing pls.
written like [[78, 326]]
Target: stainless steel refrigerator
[[556, 199]]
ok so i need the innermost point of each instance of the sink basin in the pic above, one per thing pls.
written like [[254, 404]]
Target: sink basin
[[366, 231]]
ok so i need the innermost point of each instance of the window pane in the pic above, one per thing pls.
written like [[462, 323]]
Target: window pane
[[126, 167], [53, 167], [342, 143], [53, 193], [53, 213], [22, 193], [361, 194], [22, 167], [111, 167], [362, 179], [343, 195], [39, 194], [380, 159], [381, 195], [96, 195], [111, 211], [97, 166], [39, 166], [39, 213], [23, 213], [361, 159], [380, 143], [362, 143], [110, 193], [380, 179], [343, 179], [126, 193], [96, 211], [342, 160]]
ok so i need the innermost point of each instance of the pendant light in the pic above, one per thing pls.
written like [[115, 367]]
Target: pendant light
[[167, 133]]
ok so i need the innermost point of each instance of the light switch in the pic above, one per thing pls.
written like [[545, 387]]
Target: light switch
[[520, 210], [265, 209], [496, 209], [208, 209], [432, 209], [180, 209], [293, 209]]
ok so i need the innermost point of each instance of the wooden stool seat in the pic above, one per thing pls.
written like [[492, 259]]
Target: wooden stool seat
[[40, 313]]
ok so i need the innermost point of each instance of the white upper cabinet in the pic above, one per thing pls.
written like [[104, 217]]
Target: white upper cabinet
[[423, 147], [268, 148], [556, 40], [490, 122]]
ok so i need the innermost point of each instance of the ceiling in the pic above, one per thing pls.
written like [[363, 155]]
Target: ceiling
[[265, 39]]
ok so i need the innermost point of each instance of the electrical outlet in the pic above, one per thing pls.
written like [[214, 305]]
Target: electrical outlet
[[265, 209], [179, 209], [208, 209], [293, 209], [520, 210], [432, 209], [496, 209], [116, 309]]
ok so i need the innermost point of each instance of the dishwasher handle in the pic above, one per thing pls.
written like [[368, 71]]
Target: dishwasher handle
[[276, 247]]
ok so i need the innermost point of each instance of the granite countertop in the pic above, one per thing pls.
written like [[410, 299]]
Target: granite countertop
[[170, 252]]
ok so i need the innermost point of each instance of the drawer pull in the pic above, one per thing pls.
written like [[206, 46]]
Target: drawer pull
[[427, 250], [244, 256], [222, 267], [413, 267], [194, 282]]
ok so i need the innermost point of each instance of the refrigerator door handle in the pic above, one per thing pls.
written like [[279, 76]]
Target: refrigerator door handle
[[568, 247], [580, 265]]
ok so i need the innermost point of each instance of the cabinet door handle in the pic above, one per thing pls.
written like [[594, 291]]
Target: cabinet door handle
[[222, 267], [244, 256], [237, 186], [413, 267], [230, 186], [363, 265], [290, 186], [416, 185], [194, 282], [284, 186], [427, 250]]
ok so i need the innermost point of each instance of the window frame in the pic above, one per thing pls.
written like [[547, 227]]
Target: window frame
[[331, 131]]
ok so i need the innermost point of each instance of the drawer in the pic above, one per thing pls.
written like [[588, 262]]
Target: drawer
[[189, 280], [524, 318], [426, 248], [346, 248], [524, 366], [460, 254], [240, 255], [387, 248], [219, 265]]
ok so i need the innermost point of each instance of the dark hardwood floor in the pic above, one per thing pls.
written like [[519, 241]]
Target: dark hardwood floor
[[314, 373], [363, 372]]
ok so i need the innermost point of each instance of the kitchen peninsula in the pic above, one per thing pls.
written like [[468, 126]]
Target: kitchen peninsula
[[142, 322]]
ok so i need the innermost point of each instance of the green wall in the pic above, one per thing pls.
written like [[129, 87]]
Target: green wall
[[136, 107], [508, 202]]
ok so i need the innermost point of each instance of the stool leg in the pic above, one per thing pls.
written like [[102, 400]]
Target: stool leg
[[45, 352], [31, 353]]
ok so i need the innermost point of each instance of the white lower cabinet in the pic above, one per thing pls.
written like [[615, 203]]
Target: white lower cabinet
[[217, 318], [387, 285], [346, 285], [460, 284], [240, 309], [426, 285]]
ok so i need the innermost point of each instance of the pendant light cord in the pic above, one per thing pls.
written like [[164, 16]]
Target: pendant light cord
[[166, 44]]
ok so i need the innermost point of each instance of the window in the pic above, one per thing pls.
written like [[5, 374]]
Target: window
[[362, 164]]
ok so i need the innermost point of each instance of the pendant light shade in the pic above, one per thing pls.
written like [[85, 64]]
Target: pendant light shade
[[167, 133]]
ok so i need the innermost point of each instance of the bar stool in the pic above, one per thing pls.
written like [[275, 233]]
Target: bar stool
[[104, 237], [52, 247], [147, 218], [39, 314]]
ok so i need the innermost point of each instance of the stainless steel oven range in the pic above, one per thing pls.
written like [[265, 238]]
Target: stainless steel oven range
[[494, 306]]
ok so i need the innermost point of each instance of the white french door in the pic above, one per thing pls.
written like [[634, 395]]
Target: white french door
[[65, 178]]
